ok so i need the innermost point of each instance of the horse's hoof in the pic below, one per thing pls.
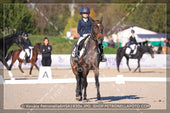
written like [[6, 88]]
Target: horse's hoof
[[80, 99]]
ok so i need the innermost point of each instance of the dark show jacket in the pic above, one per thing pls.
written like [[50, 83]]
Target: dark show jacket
[[133, 40], [47, 52], [27, 43], [84, 27]]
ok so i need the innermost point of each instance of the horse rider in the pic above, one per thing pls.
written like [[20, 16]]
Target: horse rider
[[84, 29], [28, 46], [132, 43]]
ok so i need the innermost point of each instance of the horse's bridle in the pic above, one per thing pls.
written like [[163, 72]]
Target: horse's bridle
[[92, 36]]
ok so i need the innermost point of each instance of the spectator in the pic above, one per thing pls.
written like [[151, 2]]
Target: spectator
[[46, 49]]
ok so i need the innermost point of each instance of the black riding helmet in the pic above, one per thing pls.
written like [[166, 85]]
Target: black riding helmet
[[26, 34], [85, 10], [132, 31]]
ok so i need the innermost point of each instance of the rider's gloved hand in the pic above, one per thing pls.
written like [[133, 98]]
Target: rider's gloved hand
[[31, 47], [84, 35]]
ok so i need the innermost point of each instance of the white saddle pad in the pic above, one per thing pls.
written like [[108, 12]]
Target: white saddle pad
[[132, 47], [22, 54]]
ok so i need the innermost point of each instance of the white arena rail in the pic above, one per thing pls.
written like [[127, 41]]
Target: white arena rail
[[63, 61]]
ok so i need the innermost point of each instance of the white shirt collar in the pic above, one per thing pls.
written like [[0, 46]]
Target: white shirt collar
[[85, 19]]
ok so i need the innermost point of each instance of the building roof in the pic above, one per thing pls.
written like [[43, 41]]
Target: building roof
[[159, 35], [116, 29]]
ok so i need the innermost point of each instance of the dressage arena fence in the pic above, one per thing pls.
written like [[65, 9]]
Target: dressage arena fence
[[63, 61]]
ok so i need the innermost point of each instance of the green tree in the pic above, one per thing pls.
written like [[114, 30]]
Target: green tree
[[150, 17], [18, 17], [72, 22], [92, 13]]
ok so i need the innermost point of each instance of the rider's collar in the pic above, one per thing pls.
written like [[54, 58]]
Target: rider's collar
[[85, 19]]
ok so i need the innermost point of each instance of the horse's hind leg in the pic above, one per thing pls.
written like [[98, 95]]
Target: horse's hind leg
[[20, 63], [96, 72], [139, 65], [32, 65], [37, 67]]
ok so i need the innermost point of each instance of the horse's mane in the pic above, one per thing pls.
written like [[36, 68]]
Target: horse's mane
[[10, 36]]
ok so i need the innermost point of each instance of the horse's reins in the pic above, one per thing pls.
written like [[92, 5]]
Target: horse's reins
[[92, 36]]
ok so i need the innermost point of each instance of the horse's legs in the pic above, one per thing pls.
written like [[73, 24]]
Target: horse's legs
[[77, 87], [119, 57], [12, 63], [127, 62], [20, 63], [32, 65], [37, 67], [85, 87], [80, 84], [6, 65], [138, 66], [96, 72]]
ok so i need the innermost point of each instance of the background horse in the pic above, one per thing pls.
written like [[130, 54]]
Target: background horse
[[16, 53], [140, 51], [88, 61], [6, 42]]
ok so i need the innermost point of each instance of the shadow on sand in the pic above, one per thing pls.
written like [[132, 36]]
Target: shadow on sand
[[117, 98]]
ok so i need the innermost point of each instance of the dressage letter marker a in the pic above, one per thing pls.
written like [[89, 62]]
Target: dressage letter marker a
[[45, 73]]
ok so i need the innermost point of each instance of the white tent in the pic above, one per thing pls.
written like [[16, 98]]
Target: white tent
[[141, 35]]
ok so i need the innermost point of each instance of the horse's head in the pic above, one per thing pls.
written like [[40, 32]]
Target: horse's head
[[37, 47], [150, 51], [97, 30], [19, 41]]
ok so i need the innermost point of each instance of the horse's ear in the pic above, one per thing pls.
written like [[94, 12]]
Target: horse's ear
[[101, 19], [92, 20]]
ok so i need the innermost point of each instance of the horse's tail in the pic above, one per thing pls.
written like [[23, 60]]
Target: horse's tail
[[119, 56], [8, 56]]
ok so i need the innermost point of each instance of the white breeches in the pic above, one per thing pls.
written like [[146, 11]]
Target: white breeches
[[28, 52]]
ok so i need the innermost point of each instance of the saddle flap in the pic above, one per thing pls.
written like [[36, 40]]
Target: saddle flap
[[82, 50], [132, 49], [22, 54]]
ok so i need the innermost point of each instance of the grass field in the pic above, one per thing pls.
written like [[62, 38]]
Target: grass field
[[60, 45]]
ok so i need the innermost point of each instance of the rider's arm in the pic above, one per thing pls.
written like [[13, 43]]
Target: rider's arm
[[79, 28], [136, 41], [30, 42]]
